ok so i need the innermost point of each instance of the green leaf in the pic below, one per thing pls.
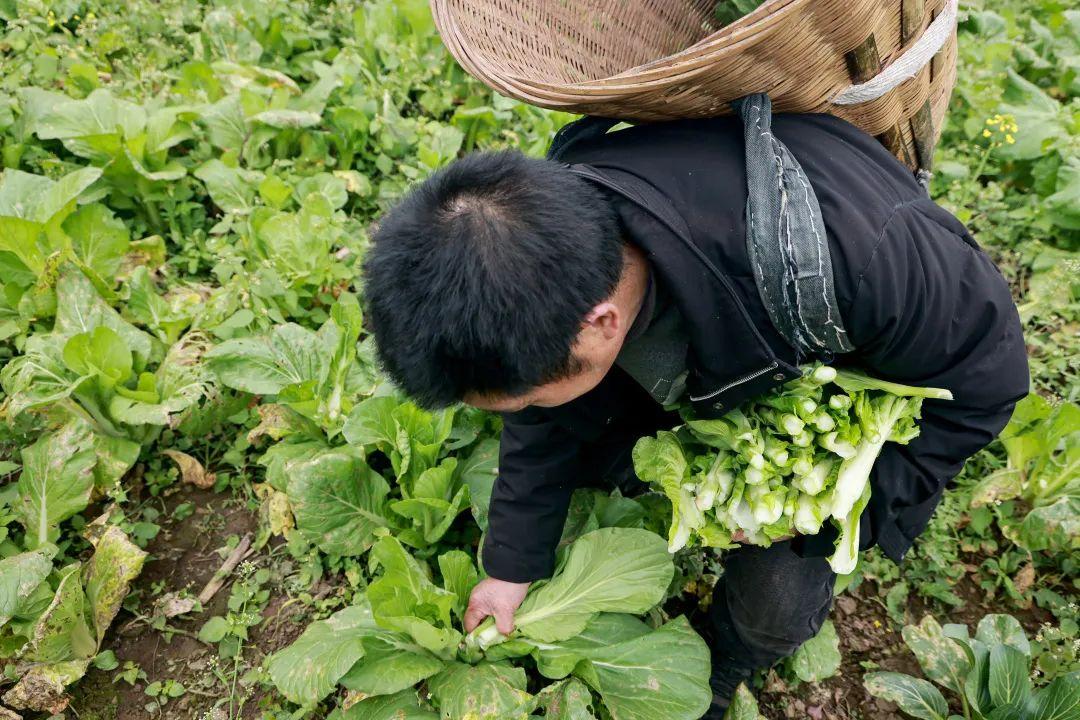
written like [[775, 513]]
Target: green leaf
[[372, 422], [287, 118], [1007, 712], [61, 633], [100, 240], [338, 500], [941, 658], [56, 481], [459, 576], [660, 461], [1038, 119], [20, 575], [557, 660], [1049, 527], [108, 576], [976, 683], [80, 309], [478, 471], [39, 378], [288, 355], [488, 691], [298, 244], [391, 663], [179, 383], [30, 203], [308, 670], [663, 675], [566, 700], [106, 661], [214, 630], [92, 128], [39, 199], [231, 189], [743, 706], [819, 657], [99, 352], [405, 600], [401, 706], [1003, 630], [1008, 683], [115, 456], [1063, 205], [915, 696], [433, 503], [608, 570], [225, 123], [1060, 700], [166, 317]]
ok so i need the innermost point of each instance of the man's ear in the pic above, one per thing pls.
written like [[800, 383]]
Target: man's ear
[[605, 319]]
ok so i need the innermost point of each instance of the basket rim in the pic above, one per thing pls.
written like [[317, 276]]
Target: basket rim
[[674, 68]]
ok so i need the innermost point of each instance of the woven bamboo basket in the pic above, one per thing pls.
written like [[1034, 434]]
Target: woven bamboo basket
[[888, 66]]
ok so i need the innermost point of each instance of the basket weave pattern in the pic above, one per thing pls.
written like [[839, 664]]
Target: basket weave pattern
[[651, 60]]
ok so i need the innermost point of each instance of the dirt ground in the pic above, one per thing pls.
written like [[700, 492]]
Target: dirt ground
[[870, 641], [186, 554]]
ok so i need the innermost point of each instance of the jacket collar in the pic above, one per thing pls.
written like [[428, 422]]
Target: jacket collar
[[729, 360]]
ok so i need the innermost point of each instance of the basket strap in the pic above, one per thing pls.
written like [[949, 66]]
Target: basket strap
[[583, 128], [786, 240], [910, 62]]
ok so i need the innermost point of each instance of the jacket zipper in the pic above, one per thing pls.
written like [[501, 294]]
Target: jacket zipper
[[744, 379]]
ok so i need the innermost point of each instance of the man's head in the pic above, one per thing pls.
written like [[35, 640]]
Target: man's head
[[497, 282]]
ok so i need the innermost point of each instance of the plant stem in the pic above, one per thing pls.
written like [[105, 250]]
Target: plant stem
[[975, 176]]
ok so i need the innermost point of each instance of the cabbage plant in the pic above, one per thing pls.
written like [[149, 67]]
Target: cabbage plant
[[398, 647]]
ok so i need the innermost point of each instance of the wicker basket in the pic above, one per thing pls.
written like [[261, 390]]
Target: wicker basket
[[884, 65]]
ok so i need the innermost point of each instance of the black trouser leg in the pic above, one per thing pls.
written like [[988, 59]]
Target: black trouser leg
[[768, 603]]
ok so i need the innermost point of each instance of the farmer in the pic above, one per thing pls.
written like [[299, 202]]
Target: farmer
[[584, 295]]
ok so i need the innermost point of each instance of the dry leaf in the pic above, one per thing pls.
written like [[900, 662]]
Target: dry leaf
[[1024, 578], [191, 470], [172, 604]]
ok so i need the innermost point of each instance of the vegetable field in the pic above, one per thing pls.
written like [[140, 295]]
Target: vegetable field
[[213, 506]]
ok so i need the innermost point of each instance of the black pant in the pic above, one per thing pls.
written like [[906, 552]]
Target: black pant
[[768, 603]]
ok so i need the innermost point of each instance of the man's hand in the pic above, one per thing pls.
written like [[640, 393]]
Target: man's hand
[[498, 598]]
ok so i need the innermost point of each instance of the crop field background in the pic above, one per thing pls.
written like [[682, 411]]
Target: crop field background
[[189, 397]]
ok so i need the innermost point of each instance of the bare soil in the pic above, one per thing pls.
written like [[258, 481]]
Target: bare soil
[[184, 556]]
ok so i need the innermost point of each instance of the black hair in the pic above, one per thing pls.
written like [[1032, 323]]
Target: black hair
[[479, 279]]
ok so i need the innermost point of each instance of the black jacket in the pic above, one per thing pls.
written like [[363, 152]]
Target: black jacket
[[921, 303]]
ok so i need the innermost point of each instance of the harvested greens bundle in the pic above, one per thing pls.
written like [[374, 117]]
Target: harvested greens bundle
[[783, 463]]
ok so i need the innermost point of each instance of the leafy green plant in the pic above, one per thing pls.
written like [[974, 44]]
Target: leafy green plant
[[52, 623], [1042, 444], [403, 630], [989, 674]]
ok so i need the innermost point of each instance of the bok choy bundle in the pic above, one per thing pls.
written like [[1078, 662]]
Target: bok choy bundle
[[784, 463]]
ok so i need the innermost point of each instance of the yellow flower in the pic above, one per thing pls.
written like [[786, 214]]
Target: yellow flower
[[987, 133], [1010, 139]]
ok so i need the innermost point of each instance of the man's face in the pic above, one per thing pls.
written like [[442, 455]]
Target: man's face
[[595, 349]]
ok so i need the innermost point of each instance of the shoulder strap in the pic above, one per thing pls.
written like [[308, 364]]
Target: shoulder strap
[[785, 239], [584, 128]]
